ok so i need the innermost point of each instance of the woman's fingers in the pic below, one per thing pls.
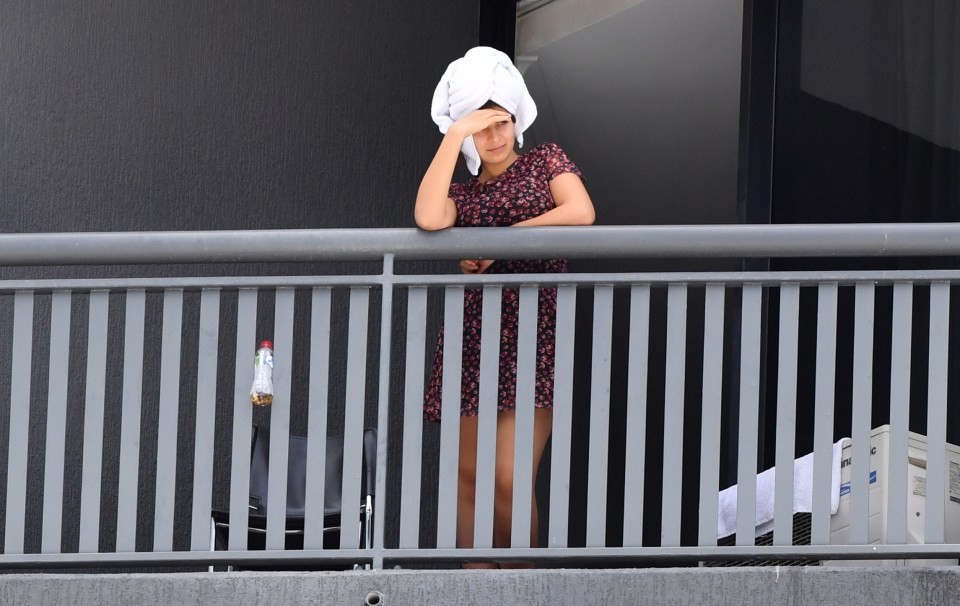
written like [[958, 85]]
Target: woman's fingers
[[475, 266], [480, 119]]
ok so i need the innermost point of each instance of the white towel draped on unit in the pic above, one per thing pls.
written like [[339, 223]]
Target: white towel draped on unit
[[766, 482], [483, 74]]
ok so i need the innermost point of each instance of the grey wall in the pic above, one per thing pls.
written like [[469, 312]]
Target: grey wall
[[218, 115], [647, 102], [139, 115]]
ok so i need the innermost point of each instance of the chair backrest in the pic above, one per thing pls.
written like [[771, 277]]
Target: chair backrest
[[297, 471]]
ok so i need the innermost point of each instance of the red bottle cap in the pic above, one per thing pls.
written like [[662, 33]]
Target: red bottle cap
[[266, 344]]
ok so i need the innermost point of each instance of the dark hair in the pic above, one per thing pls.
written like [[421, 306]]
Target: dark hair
[[491, 104]]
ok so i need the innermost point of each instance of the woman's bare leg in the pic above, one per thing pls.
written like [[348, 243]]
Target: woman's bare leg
[[503, 496], [466, 487]]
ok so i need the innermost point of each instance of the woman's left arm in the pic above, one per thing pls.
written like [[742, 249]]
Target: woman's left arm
[[573, 204]]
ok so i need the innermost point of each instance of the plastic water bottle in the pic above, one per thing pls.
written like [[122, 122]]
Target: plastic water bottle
[[261, 392]]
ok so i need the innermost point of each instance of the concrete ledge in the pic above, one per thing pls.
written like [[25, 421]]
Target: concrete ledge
[[696, 587]]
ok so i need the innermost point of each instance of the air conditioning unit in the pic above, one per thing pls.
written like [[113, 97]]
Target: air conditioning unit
[[916, 498]]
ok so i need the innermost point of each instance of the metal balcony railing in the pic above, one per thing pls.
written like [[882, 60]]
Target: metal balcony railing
[[110, 460]]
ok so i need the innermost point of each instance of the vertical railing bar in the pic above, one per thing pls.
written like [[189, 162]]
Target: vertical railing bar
[[207, 344], [710, 415], [786, 414], [450, 417], [673, 403], [19, 422], [487, 417], [383, 404], [523, 435], [242, 418], [900, 359], [413, 418], [355, 403], [749, 413], [129, 471], [167, 420], [636, 421], [823, 413], [865, 294], [93, 421], [280, 419], [937, 411], [56, 421], [20, 369], [315, 489], [599, 415], [562, 416]]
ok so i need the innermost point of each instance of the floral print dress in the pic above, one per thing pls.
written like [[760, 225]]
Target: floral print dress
[[521, 192]]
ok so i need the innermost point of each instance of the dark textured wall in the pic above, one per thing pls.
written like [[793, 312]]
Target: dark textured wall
[[136, 115], [122, 115]]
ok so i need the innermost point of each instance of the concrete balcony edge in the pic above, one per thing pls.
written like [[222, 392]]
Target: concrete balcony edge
[[796, 586]]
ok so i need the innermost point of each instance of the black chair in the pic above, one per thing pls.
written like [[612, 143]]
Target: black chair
[[296, 481]]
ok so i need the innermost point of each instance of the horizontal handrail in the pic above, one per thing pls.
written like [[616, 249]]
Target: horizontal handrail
[[690, 278], [567, 555], [305, 245]]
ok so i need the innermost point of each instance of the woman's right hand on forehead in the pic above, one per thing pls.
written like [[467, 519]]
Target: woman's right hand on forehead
[[478, 120]]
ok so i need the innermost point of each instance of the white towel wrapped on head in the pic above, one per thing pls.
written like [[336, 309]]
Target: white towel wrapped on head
[[483, 74]]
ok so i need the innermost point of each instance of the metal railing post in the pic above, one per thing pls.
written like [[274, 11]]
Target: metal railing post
[[383, 412]]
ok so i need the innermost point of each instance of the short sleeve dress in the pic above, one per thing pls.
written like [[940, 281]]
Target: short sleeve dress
[[521, 192]]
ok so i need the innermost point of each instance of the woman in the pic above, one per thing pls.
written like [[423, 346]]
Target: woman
[[483, 107]]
